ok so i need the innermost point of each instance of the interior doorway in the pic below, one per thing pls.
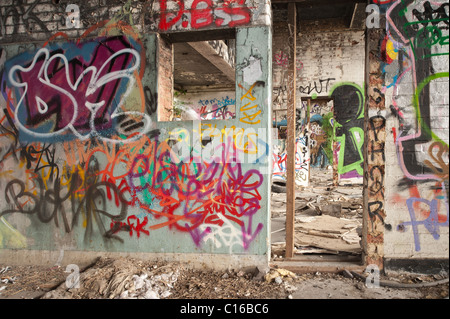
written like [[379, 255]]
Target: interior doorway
[[329, 205]]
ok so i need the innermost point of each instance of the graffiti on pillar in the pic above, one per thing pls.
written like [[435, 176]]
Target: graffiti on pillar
[[251, 111]]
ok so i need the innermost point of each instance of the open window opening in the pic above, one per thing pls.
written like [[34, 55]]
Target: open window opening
[[202, 78]]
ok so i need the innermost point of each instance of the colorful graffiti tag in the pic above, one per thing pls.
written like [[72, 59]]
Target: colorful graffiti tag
[[349, 100], [74, 90]]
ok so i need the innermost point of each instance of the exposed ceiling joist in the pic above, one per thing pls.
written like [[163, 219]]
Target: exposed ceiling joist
[[307, 3], [210, 54], [192, 36]]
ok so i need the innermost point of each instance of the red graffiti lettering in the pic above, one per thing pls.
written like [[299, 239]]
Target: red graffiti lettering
[[164, 23], [237, 16], [204, 13], [117, 226]]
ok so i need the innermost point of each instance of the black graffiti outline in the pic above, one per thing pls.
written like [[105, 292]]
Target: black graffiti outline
[[422, 72], [21, 11], [308, 89], [46, 197]]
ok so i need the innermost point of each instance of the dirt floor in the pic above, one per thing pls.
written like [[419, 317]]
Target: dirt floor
[[137, 279]]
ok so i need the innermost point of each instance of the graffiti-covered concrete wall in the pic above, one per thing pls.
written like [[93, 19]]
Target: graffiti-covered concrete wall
[[85, 164], [408, 132]]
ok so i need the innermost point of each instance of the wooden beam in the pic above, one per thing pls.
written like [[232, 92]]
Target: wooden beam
[[193, 36], [308, 125], [291, 117]]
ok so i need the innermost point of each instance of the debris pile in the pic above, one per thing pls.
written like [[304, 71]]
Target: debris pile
[[327, 232], [277, 275], [153, 287], [121, 279], [128, 278], [150, 279], [283, 277], [328, 219], [5, 279]]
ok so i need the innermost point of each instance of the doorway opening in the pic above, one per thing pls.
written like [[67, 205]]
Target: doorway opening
[[328, 200], [330, 59]]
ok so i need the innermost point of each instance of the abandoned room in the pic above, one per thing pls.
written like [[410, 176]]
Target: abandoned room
[[309, 135]]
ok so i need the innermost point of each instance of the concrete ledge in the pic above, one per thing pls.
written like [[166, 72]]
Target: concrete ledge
[[417, 266], [83, 258], [303, 267]]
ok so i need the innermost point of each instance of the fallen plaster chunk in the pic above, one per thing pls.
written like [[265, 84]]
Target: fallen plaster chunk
[[305, 219], [279, 273]]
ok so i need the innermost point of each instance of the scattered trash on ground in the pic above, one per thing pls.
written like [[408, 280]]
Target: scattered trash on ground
[[133, 278]]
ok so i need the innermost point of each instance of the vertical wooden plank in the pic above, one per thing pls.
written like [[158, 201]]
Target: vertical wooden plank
[[291, 116], [335, 163], [335, 158], [308, 127]]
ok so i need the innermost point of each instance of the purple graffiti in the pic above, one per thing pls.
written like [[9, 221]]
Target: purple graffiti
[[78, 87], [431, 223]]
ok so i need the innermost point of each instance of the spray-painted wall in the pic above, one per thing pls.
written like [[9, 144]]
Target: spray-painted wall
[[206, 105], [85, 165], [406, 169], [414, 66]]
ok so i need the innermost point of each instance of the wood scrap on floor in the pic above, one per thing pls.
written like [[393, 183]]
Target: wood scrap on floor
[[328, 220], [328, 232]]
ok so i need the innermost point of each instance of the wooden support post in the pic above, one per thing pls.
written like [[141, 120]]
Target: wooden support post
[[374, 214], [334, 149], [291, 117], [335, 163], [308, 127]]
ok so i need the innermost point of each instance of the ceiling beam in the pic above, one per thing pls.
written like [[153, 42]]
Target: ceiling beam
[[317, 3], [215, 57], [193, 36]]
